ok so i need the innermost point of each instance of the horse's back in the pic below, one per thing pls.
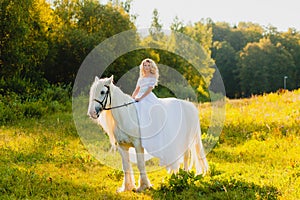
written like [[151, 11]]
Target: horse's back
[[173, 130], [188, 109]]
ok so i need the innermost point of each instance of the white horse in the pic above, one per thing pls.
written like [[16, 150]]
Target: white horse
[[118, 111]]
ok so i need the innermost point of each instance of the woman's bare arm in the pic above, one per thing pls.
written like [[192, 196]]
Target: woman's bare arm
[[145, 94], [135, 92]]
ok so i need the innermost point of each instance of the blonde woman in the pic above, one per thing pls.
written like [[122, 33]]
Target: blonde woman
[[169, 127], [147, 81], [150, 110]]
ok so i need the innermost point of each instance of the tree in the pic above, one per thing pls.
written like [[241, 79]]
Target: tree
[[24, 28], [262, 66], [202, 33], [67, 11], [252, 32], [225, 56], [290, 41], [177, 25], [220, 30], [85, 24], [156, 26]]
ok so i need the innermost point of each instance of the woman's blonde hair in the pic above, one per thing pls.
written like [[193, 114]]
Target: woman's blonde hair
[[153, 68]]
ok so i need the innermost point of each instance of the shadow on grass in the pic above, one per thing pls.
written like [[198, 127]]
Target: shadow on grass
[[25, 184]]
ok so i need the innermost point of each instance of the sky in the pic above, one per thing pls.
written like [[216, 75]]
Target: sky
[[282, 14]]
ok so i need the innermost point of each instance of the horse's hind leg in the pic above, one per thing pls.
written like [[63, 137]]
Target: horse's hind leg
[[128, 183], [144, 181], [201, 157], [186, 159]]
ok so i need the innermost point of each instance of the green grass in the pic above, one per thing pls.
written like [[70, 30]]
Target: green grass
[[257, 157]]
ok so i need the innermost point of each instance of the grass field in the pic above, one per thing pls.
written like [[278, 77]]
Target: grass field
[[257, 157]]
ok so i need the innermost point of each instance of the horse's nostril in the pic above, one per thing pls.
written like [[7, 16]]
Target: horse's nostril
[[97, 109]]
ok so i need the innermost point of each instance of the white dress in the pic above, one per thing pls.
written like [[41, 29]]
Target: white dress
[[161, 125]]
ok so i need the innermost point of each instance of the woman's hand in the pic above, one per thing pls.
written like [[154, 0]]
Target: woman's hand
[[137, 99]]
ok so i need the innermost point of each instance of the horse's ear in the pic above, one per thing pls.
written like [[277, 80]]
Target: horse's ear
[[96, 78], [111, 79]]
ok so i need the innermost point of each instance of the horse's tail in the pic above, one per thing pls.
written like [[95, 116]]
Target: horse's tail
[[198, 157]]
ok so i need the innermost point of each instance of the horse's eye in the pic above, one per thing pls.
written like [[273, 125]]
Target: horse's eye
[[102, 92]]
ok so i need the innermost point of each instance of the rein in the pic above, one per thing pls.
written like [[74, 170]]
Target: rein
[[103, 103]]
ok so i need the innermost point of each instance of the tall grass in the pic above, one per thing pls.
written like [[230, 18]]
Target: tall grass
[[257, 156]]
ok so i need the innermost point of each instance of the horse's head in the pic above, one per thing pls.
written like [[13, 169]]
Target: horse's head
[[99, 96]]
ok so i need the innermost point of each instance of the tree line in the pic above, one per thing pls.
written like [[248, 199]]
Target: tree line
[[44, 43], [256, 60]]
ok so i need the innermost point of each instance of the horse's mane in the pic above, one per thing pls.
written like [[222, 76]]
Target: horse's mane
[[123, 97], [110, 126], [106, 120], [109, 121]]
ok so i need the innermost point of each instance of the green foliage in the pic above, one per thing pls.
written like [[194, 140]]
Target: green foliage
[[82, 26], [199, 33], [44, 159], [248, 64], [185, 185], [202, 33], [257, 157], [23, 87], [262, 67], [224, 54], [21, 99], [24, 27], [259, 118], [156, 26], [39, 40]]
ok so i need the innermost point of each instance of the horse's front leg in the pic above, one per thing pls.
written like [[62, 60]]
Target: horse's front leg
[[144, 181], [128, 182]]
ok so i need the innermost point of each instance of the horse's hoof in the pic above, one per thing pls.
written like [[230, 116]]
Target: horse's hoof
[[134, 190], [143, 187], [123, 189], [119, 190]]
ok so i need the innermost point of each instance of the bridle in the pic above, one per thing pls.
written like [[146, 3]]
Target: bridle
[[103, 103]]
